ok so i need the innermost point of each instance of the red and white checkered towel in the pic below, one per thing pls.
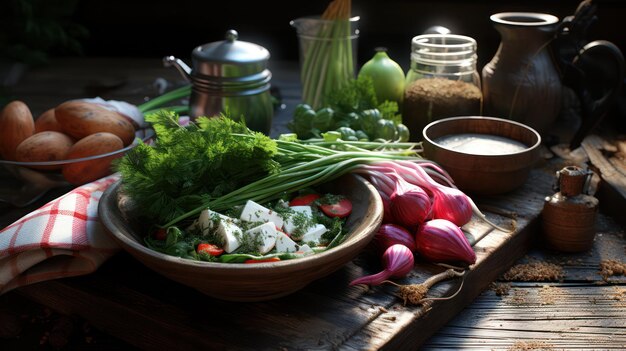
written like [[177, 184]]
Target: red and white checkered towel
[[63, 238]]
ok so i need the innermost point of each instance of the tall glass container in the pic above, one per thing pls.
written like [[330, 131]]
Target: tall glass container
[[328, 55], [441, 82]]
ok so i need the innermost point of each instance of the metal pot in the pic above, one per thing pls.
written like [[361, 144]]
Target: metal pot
[[229, 77]]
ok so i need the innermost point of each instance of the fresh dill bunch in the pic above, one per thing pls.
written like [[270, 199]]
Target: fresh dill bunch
[[190, 165]]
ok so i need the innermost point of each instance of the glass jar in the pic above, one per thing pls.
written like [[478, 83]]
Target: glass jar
[[441, 82]]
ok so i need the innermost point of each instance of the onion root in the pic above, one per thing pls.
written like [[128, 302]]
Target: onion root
[[415, 294]]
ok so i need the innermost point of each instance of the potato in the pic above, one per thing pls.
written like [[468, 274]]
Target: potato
[[47, 121], [80, 119], [44, 146], [16, 124], [96, 144]]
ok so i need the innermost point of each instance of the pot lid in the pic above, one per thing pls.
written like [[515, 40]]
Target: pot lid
[[230, 51]]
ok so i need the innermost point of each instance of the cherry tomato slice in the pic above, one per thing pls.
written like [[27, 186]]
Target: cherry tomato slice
[[340, 209], [269, 259], [212, 250], [304, 200], [160, 234]]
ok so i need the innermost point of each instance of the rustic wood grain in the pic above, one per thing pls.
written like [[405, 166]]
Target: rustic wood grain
[[580, 312], [612, 189]]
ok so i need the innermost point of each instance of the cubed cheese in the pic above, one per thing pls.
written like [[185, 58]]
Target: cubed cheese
[[265, 234], [283, 203], [285, 244], [208, 219], [254, 212], [298, 219], [223, 226], [314, 234]]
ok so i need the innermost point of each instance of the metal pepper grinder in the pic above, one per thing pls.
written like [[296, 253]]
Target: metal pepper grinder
[[568, 217]]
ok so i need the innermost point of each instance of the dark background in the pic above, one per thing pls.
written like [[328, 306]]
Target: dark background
[[33, 31], [158, 28]]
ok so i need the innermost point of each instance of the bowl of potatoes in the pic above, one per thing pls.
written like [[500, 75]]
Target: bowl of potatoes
[[71, 144]]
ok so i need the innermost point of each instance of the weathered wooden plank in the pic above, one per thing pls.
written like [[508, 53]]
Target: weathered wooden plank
[[612, 190]]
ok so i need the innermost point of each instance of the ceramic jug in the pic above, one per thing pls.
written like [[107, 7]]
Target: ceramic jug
[[521, 81]]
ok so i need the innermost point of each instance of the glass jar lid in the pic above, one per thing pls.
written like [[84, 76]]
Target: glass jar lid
[[229, 58], [449, 49]]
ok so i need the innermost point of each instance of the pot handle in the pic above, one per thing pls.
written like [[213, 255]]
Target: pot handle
[[600, 68], [185, 71]]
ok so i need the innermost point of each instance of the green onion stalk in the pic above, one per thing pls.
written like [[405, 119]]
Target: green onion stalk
[[158, 102]]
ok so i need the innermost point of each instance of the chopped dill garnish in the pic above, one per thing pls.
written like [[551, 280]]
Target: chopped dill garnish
[[248, 244], [302, 224]]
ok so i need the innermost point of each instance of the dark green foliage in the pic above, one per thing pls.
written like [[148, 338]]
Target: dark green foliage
[[30, 30]]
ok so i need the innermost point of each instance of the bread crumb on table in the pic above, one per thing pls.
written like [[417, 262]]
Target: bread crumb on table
[[534, 271], [530, 345], [500, 288], [612, 267]]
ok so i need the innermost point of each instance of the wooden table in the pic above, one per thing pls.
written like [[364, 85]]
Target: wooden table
[[140, 308]]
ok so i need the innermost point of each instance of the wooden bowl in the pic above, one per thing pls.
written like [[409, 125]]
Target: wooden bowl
[[250, 282], [483, 155]]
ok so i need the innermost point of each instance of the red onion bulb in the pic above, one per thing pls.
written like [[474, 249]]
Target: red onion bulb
[[440, 240], [397, 262], [389, 234]]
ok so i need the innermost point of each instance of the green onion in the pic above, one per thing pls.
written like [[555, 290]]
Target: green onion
[[159, 101], [175, 109], [302, 166]]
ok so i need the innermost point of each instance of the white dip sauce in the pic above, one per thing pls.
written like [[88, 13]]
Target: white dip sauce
[[480, 144]]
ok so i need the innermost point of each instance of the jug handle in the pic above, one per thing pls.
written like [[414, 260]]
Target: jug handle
[[185, 71], [601, 65]]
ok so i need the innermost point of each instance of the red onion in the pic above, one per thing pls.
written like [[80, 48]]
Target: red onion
[[389, 234], [387, 215], [397, 262], [447, 202], [410, 205], [384, 186], [440, 240], [453, 205], [437, 173]]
